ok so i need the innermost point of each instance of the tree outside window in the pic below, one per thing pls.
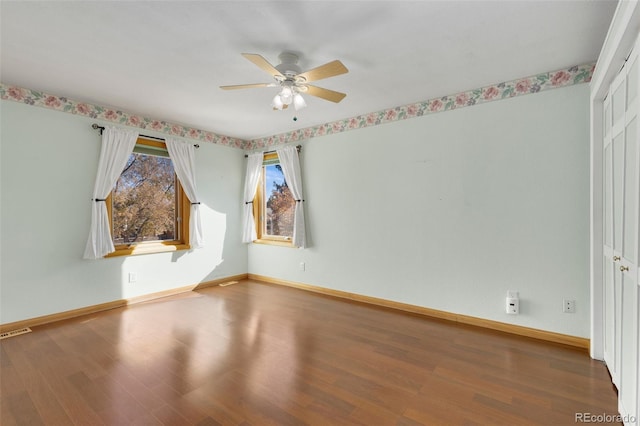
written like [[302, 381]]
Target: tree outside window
[[274, 206], [148, 210]]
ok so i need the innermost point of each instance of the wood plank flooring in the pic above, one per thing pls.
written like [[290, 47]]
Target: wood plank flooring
[[261, 354]]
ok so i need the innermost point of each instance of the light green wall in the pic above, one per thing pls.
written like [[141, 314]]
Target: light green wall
[[48, 165], [446, 211], [451, 210]]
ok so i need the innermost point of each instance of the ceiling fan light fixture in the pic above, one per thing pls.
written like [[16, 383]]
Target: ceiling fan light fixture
[[277, 102], [298, 102], [286, 95]]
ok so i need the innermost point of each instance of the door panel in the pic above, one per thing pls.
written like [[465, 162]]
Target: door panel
[[609, 316], [609, 294], [618, 102], [608, 199], [630, 225], [629, 345], [611, 303], [618, 194], [632, 83]]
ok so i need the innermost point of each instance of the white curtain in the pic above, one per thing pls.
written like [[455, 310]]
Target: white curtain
[[117, 145], [183, 156], [290, 163], [254, 166]]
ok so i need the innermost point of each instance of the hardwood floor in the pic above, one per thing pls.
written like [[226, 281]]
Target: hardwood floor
[[260, 354]]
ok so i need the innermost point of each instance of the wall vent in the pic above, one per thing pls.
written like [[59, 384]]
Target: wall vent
[[12, 333], [228, 283]]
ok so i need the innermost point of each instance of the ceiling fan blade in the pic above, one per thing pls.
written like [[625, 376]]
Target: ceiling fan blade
[[325, 71], [327, 94], [247, 86], [262, 63]]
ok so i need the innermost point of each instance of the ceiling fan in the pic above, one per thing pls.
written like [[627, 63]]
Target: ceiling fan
[[289, 76]]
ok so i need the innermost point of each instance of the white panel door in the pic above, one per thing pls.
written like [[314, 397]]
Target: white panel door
[[629, 358], [621, 214], [611, 303], [613, 221]]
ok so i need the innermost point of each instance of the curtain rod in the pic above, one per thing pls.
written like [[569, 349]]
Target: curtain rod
[[298, 148], [101, 128]]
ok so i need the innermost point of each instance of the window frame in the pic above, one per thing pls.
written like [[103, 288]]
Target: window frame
[[183, 209], [259, 214]]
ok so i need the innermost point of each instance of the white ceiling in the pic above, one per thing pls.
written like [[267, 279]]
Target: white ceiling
[[166, 60]]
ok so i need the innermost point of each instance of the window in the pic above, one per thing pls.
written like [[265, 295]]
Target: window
[[148, 210], [274, 205]]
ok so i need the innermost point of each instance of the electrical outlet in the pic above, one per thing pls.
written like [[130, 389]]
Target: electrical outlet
[[133, 277], [569, 306], [513, 303], [302, 266]]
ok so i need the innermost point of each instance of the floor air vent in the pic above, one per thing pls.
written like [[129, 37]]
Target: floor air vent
[[13, 333], [228, 283]]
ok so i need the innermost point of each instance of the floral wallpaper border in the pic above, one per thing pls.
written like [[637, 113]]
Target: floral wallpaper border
[[524, 86], [60, 103]]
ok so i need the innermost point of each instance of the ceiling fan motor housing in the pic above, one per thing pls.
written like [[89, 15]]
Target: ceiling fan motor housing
[[288, 64]]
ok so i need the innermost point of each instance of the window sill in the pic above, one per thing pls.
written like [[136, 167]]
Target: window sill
[[148, 248], [280, 243]]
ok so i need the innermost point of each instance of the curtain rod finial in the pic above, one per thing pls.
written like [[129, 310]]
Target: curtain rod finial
[[96, 126]]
